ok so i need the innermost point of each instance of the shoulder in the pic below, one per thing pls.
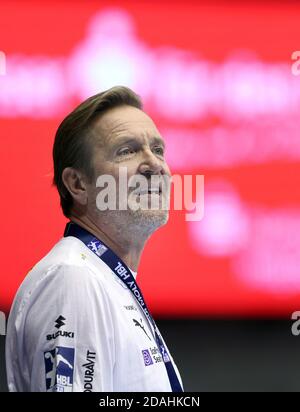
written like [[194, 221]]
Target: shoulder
[[65, 274], [68, 261], [59, 280], [68, 290]]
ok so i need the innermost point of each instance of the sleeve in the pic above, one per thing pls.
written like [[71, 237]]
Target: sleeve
[[69, 335]]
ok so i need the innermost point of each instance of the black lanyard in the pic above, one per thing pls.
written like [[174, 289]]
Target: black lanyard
[[124, 274]]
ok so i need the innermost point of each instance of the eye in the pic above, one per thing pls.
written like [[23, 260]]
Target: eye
[[125, 151], [159, 150]]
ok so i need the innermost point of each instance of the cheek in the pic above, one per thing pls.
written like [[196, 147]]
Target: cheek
[[103, 167], [125, 171], [167, 169], [105, 173], [92, 191]]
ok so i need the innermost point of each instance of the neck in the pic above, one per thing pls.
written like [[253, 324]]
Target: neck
[[128, 248]]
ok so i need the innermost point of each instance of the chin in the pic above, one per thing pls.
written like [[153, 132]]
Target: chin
[[152, 219]]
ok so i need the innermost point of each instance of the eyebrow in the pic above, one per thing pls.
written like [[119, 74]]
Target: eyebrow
[[124, 140], [159, 140]]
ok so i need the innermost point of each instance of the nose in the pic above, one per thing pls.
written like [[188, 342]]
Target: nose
[[151, 165]]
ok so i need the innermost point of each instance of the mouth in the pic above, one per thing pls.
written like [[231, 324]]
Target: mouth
[[150, 191]]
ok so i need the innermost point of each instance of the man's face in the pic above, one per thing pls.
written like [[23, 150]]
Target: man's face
[[126, 138]]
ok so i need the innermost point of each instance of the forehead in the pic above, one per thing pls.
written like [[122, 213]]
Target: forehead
[[125, 121]]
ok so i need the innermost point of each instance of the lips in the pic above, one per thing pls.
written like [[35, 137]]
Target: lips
[[150, 191]]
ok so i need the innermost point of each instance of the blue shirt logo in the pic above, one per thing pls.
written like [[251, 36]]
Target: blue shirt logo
[[59, 368], [147, 357]]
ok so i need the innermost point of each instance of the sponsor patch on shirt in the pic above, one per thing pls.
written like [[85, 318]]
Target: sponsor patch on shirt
[[59, 368], [59, 322], [147, 357], [89, 371], [130, 307]]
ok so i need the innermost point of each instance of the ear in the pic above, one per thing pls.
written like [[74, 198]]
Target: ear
[[75, 183]]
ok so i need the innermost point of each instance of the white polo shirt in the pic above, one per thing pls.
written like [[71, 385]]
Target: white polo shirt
[[74, 326]]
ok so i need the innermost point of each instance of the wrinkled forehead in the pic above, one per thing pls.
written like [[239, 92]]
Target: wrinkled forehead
[[125, 121]]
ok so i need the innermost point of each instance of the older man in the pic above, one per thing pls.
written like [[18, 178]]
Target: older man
[[79, 321]]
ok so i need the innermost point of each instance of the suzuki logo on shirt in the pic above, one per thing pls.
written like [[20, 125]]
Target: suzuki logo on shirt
[[122, 271], [61, 333], [59, 322]]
